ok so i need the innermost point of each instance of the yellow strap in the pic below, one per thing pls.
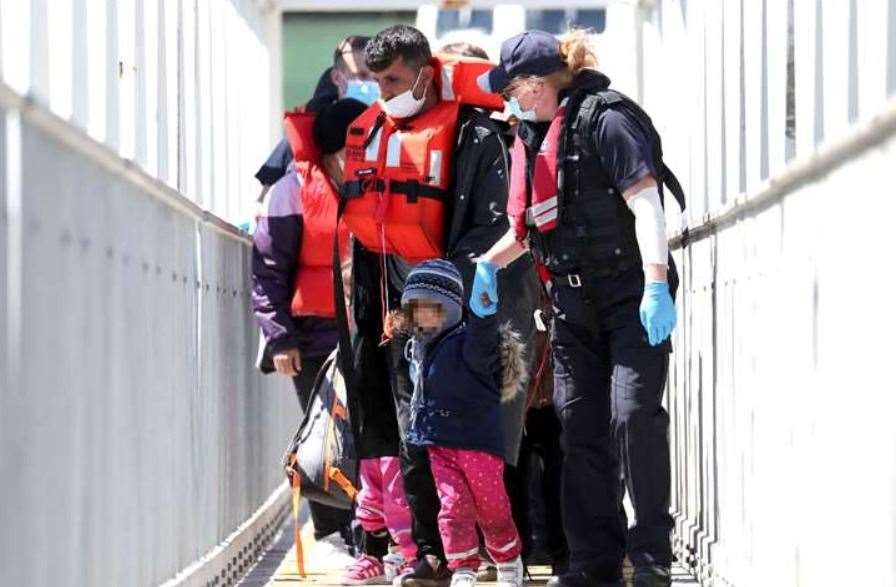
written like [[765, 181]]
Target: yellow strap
[[296, 482]]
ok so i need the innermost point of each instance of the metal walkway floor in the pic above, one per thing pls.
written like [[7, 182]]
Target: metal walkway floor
[[277, 567]]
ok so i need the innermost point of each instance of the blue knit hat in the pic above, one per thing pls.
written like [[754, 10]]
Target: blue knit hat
[[437, 280]]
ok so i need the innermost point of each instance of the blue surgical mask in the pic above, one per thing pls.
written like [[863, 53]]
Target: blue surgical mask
[[514, 106], [365, 91]]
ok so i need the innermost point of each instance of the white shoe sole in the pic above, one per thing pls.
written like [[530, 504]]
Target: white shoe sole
[[378, 580]]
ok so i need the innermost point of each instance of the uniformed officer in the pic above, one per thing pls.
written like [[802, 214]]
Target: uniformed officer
[[586, 197]]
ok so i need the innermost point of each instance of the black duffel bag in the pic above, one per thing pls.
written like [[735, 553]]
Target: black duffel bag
[[322, 459]]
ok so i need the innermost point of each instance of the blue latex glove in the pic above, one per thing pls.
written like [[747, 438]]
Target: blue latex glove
[[484, 297], [657, 312]]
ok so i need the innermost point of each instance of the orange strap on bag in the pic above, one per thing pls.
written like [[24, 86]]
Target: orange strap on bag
[[334, 473], [295, 480], [339, 477], [330, 474]]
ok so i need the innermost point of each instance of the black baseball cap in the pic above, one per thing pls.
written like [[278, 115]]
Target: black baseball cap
[[528, 53]]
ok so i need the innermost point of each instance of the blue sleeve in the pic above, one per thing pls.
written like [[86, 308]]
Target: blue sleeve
[[481, 346], [623, 148], [275, 166]]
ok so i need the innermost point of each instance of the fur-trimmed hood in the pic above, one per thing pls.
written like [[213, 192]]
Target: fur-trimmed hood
[[513, 363]]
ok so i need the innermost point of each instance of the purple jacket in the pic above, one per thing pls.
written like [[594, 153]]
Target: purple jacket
[[275, 253]]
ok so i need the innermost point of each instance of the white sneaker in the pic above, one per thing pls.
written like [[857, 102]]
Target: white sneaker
[[463, 578], [392, 564], [510, 574], [405, 569], [330, 552], [487, 572]]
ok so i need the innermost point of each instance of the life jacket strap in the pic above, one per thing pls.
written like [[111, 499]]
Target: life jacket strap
[[412, 189]]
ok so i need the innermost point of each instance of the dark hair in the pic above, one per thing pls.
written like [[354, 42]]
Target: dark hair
[[332, 122], [464, 49], [350, 44], [400, 40]]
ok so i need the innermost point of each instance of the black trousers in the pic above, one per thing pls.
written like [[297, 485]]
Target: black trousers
[[326, 519], [541, 440], [608, 391], [419, 485]]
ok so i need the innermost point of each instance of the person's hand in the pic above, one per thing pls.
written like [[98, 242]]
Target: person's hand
[[288, 362], [484, 297], [657, 312]]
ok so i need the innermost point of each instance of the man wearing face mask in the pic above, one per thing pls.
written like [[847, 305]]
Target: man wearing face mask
[[587, 197], [426, 177], [292, 278], [349, 77]]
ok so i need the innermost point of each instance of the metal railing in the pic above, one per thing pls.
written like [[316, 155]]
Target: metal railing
[[778, 119], [135, 434]]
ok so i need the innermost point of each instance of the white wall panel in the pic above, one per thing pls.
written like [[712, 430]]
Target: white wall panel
[[126, 30], [734, 100], [136, 396], [39, 65], [755, 95], [808, 64], [774, 392], [114, 70], [58, 28], [15, 44], [837, 30], [872, 75], [776, 26]]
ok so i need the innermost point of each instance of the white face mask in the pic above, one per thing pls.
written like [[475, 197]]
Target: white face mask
[[405, 105]]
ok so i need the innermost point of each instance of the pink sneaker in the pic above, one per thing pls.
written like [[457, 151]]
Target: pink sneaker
[[367, 570]]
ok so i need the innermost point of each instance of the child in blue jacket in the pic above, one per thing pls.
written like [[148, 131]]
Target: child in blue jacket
[[458, 380]]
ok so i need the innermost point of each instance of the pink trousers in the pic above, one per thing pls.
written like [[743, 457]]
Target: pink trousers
[[382, 504], [470, 484]]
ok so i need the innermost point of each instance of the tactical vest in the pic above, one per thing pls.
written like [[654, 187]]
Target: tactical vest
[[595, 231]]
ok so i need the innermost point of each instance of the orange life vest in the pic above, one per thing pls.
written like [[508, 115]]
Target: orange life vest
[[313, 293], [399, 172]]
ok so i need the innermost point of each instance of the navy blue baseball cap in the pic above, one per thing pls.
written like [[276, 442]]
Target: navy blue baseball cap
[[528, 53]]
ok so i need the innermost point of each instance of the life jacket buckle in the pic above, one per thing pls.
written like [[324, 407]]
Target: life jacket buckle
[[370, 184], [412, 191], [574, 280]]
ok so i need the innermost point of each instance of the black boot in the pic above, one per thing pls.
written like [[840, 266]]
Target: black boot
[[559, 565], [429, 572], [653, 576], [583, 579]]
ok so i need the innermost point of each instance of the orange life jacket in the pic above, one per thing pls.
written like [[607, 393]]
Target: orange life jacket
[[313, 293], [399, 172]]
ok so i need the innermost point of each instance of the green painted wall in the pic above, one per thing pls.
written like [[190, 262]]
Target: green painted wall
[[310, 37]]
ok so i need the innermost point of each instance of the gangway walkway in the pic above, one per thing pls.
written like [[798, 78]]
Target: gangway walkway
[[277, 566], [139, 445]]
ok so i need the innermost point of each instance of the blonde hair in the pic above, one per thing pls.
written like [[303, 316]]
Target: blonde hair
[[578, 56], [577, 52]]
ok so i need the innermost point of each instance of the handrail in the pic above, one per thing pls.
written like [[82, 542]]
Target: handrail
[[80, 142], [863, 137]]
